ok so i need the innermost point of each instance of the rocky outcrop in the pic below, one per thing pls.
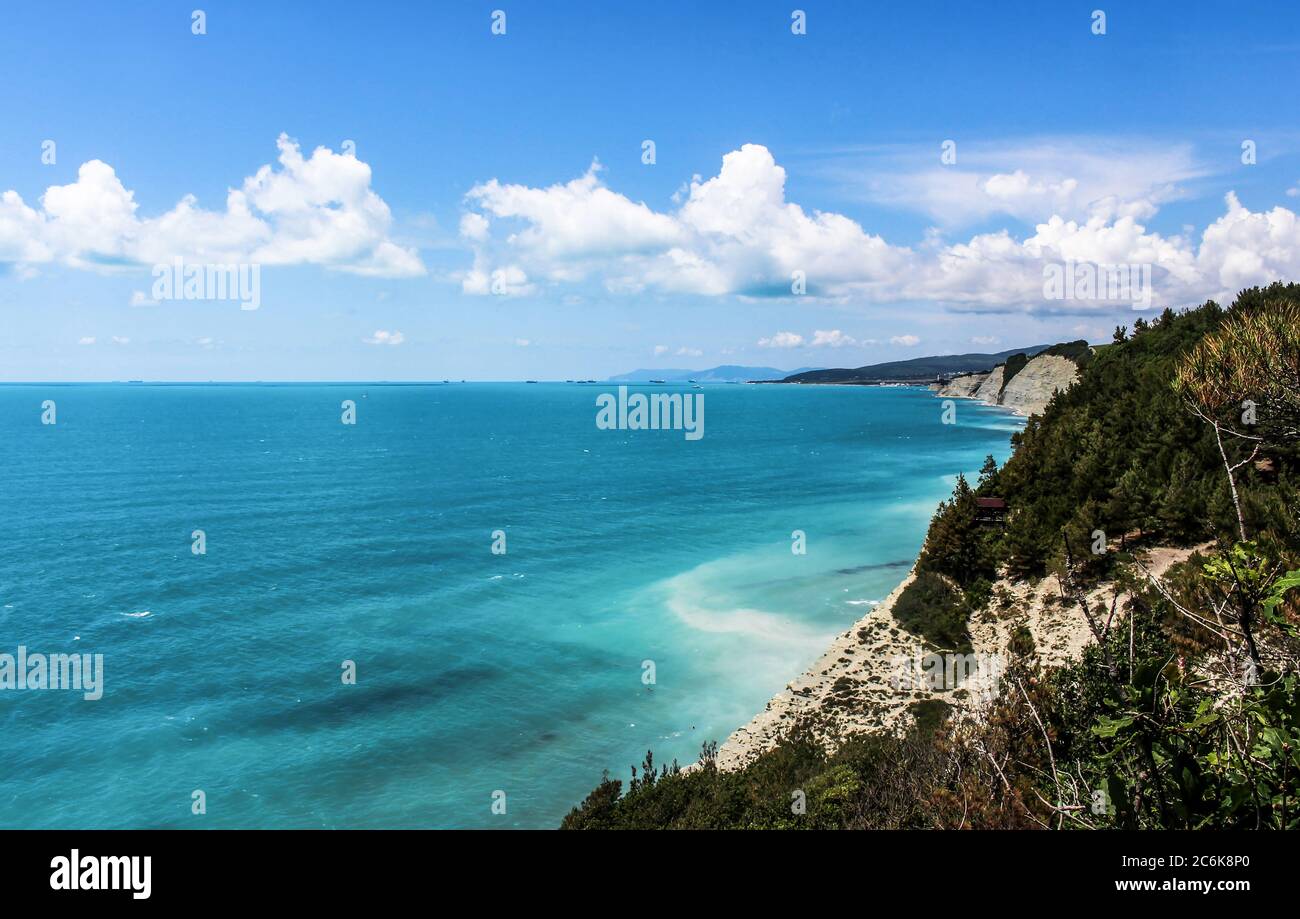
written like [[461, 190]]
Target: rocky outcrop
[[1032, 388], [962, 387], [1026, 393]]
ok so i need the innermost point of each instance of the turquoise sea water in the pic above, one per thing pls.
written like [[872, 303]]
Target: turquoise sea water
[[372, 543]]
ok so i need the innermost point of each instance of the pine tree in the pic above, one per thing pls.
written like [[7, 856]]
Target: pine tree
[[988, 474]]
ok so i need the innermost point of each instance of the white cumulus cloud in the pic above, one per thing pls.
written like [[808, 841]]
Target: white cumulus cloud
[[733, 233], [736, 234], [316, 210]]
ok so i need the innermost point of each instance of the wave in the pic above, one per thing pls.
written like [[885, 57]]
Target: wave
[[688, 600]]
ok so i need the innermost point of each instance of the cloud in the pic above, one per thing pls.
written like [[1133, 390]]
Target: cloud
[[994, 271], [985, 340], [522, 342], [1242, 247], [509, 281], [688, 352], [86, 340], [660, 349], [317, 210], [384, 337], [907, 341], [22, 232], [833, 338], [782, 340], [474, 226], [735, 234], [121, 340], [140, 298], [822, 338], [610, 224], [1075, 178]]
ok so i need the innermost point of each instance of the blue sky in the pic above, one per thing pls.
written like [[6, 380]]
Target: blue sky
[[467, 234]]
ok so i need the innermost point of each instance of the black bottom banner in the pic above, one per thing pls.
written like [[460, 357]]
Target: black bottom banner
[[365, 867]]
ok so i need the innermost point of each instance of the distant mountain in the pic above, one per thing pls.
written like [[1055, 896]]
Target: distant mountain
[[918, 368], [727, 373]]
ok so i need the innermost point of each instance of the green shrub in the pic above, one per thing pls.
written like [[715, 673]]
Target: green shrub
[[935, 610]]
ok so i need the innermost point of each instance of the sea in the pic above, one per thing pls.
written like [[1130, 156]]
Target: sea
[[459, 610]]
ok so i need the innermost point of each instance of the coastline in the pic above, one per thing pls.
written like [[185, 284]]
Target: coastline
[[851, 687], [849, 653], [1014, 410], [848, 687], [1027, 390], [1009, 409]]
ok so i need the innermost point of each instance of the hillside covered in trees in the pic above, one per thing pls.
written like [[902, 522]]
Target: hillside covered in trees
[[1183, 712], [917, 368]]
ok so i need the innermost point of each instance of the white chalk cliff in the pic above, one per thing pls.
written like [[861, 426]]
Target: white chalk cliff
[[1027, 393]]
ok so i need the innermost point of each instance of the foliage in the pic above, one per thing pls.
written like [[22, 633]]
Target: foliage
[[1078, 351], [957, 546], [935, 610], [1015, 363], [1254, 355], [1120, 452]]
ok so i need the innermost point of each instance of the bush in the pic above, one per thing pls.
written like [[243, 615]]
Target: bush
[[935, 610]]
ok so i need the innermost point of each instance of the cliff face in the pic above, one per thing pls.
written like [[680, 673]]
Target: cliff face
[[1027, 393], [1032, 388], [992, 386], [962, 387]]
